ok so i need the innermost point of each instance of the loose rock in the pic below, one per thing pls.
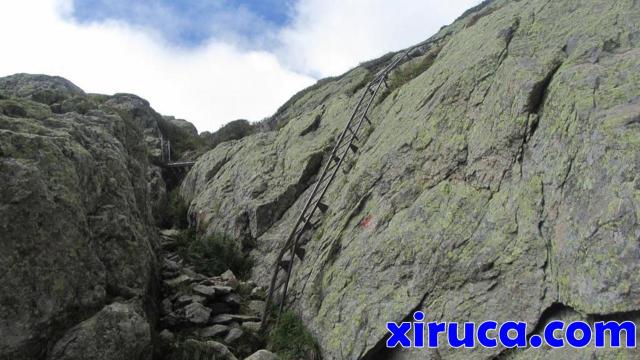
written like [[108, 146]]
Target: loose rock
[[207, 291], [196, 313], [262, 355], [230, 279], [214, 331], [233, 336], [256, 307], [251, 326], [229, 318]]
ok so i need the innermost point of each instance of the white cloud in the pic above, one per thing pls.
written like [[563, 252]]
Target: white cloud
[[209, 85], [219, 81], [330, 36]]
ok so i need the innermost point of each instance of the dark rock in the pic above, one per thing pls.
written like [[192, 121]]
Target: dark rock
[[171, 320], [178, 281], [170, 265], [186, 126], [167, 336], [77, 228], [169, 274], [166, 307], [188, 299], [251, 326], [207, 291], [234, 335], [256, 307], [258, 293], [230, 279], [262, 355], [197, 313], [214, 331], [229, 318], [40, 88], [211, 347], [223, 289], [12, 109], [220, 308], [234, 300], [118, 331]]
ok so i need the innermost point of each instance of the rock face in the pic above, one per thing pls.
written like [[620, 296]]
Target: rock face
[[183, 124], [119, 331], [499, 182], [77, 200]]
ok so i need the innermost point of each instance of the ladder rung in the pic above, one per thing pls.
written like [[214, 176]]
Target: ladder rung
[[280, 284], [315, 195], [329, 170], [323, 208], [342, 146], [284, 264], [355, 136], [304, 218], [309, 226]]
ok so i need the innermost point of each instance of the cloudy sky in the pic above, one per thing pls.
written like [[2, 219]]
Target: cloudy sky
[[209, 61]]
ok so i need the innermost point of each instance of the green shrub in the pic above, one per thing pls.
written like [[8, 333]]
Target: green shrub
[[291, 340], [409, 72], [234, 130], [178, 210], [213, 255]]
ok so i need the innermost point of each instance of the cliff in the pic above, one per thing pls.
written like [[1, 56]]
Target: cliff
[[497, 182], [79, 191]]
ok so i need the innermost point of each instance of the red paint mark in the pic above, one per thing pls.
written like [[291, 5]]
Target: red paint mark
[[366, 222]]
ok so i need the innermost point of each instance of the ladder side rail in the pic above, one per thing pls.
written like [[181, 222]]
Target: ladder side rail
[[295, 234], [328, 164], [287, 243], [333, 175], [395, 63]]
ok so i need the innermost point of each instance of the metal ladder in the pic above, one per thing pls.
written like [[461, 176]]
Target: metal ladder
[[345, 144]]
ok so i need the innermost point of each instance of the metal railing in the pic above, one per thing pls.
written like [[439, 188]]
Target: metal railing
[[165, 156]]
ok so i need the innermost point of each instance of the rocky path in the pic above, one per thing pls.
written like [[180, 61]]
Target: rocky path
[[207, 317]]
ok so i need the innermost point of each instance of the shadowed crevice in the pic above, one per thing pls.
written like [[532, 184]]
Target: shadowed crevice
[[539, 91], [380, 351]]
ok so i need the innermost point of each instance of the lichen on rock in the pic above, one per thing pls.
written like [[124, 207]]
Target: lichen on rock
[[503, 169], [76, 217]]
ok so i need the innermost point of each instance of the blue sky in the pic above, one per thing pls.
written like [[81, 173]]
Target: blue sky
[[192, 23], [210, 61]]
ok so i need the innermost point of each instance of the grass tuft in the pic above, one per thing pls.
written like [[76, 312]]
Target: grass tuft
[[291, 340], [408, 72], [212, 255], [178, 210]]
